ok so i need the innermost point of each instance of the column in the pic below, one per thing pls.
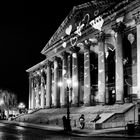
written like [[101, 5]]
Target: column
[[33, 94], [87, 81], [138, 54], [64, 79], [56, 88], [69, 76], [42, 91], [100, 98], [49, 85], [75, 76], [30, 91], [119, 64], [37, 95]]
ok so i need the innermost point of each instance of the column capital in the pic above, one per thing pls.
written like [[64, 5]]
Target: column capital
[[101, 36], [31, 75], [74, 49], [56, 58], [137, 17], [87, 45], [48, 63], [64, 54], [118, 27]]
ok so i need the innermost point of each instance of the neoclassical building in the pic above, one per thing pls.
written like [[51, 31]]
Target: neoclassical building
[[94, 56]]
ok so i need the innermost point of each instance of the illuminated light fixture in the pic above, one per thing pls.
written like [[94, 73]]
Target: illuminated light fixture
[[64, 44], [86, 19], [74, 55], [87, 86], [97, 23], [63, 71], [62, 37], [55, 65], [113, 91], [120, 19], [80, 45], [68, 82], [73, 41], [74, 81], [68, 30], [55, 50], [79, 28], [75, 84], [93, 40], [60, 84], [106, 54], [21, 105], [38, 72], [100, 71], [1, 102]]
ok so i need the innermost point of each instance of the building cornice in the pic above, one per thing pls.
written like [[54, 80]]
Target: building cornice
[[42, 63]]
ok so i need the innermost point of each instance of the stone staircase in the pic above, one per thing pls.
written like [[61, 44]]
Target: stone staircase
[[54, 116]]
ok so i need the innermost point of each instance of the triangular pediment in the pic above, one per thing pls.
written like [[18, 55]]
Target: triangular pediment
[[80, 15]]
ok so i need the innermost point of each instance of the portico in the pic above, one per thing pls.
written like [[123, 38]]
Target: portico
[[93, 54]]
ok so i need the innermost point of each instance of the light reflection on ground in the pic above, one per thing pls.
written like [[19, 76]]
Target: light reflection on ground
[[13, 132]]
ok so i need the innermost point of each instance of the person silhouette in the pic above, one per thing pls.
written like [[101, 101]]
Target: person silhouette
[[64, 122]]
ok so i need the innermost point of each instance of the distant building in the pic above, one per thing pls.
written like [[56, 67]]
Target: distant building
[[97, 46]]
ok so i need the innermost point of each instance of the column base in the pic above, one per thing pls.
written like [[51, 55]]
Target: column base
[[75, 105], [119, 102], [86, 104], [63, 106], [48, 107]]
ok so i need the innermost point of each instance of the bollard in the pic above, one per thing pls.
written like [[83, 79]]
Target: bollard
[[74, 123], [56, 121], [130, 128]]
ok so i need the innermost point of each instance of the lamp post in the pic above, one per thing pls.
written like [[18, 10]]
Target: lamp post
[[68, 89], [67, 92]]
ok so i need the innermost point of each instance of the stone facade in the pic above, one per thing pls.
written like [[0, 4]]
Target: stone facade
[[97, 47]]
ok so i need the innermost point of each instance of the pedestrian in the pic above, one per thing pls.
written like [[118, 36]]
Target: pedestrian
[[96, 118], [64, 122], [82, 121]]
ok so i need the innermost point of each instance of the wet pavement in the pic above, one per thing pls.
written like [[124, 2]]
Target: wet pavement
[[12, 130]]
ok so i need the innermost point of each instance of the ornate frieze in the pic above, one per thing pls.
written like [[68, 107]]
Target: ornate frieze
[[137, 17], [119, 27]]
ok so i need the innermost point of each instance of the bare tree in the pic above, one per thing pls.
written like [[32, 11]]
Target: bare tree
[[8, 100]]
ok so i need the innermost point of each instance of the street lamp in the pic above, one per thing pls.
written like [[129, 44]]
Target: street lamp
[[67, 91], [21, 107], [1, 102]]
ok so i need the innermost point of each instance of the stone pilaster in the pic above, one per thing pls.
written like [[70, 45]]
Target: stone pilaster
[[100, 98], [118, 28], [42, 92], [138, 53], [30, 91], [56, 88], [33, 94], [48, 85], [37, 95], [87, 81], [75, 77], [69, 76]]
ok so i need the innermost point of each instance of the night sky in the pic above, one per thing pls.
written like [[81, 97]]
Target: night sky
[[25, 28]]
